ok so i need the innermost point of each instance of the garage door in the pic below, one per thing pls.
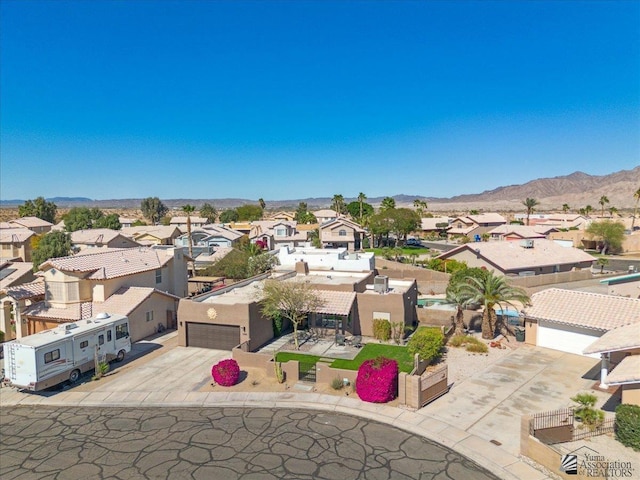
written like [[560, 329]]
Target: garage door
[[566, 338], [206, 335]]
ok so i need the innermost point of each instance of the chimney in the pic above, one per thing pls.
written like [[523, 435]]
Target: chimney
[[302, 267]]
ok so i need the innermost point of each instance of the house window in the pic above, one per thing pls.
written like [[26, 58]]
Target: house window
[[100, 339], [52, 356], [84, 344], [342, 233], [280, 232], [122, 331], [109, 336], [150, 316], [158, 276]]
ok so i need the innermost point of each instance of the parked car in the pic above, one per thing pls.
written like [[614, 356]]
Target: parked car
[[413, 242]]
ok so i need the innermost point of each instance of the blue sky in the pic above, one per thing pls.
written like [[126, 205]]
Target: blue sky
[[297, 99]]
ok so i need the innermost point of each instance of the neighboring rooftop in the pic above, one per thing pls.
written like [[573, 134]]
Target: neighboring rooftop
[[626, 337], [583, 309], [627, 371]]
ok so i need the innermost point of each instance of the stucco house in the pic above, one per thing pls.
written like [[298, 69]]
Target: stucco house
[[336, 259], [351, 301], [325, 215], [146, 282], [100, 238], [472, 225], [619, 349], [524, 257], [277, 234], [152, 234], [284, 216], [341, 233], [15, 244], [13, 301], [181, 222], [570, 321], [435, 225], [206, 240], [13, 275], [35, 224], [519, 232]]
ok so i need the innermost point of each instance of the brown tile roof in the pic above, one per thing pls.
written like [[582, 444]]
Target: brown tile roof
[[31, 222], [620, 338], [26, 290], [94, 235], [522, 231], [335, 302], [15, 235], [71, 312], [160, 232], [509, 256], [15, 272], [111, 263], [126, 299], [583, 309], [627, 371]]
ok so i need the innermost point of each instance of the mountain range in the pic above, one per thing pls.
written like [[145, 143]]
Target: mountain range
[[577, 190]]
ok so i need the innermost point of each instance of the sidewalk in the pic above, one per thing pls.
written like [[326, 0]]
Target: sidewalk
[[482, 452]]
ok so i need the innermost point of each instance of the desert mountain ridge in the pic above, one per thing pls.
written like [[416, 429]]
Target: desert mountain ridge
[[577, 190]]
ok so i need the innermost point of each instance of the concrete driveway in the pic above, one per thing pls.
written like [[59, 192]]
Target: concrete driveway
[[528, 380]]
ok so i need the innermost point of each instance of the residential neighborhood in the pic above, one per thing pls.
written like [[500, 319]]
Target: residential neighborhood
[[161, 279]]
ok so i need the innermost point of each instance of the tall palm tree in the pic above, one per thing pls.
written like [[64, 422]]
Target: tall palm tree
[[189, 209], [262, 203], [603, 201], [491, 291], [530, 204], [588, 209], [636, 195], [420, 206], [612, 210], [337, 203], [361, 198], [387, 203], [565, 208]]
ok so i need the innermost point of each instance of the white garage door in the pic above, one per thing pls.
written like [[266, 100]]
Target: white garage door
[[566, 338]]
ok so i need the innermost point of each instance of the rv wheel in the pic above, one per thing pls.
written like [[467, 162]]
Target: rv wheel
[[120, 356], [74, 377]]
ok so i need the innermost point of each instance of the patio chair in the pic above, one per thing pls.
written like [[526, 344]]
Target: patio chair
[[340, 339]]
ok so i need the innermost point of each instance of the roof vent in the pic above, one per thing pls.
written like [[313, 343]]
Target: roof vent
[[526, 243], [102, 316]]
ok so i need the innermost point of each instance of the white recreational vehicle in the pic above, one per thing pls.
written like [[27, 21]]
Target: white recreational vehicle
[[63, 353]]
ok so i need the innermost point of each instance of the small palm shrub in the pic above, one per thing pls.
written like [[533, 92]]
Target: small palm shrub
[[381, 329], [377, 380], [588, 415], [337, 383], [226, 372], [627, 425]]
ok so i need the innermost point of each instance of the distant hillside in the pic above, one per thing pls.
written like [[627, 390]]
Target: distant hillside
[[577, 190]]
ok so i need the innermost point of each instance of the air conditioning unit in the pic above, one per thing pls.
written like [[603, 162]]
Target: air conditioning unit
[[381, 284], [526, 243]]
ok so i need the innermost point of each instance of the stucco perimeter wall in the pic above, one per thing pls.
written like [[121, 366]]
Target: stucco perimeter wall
[[429, 281], [442, 317], [550, 278], [326, 374], [546, 455], [631, 394]]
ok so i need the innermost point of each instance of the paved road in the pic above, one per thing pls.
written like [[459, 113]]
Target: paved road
[[215, 443]]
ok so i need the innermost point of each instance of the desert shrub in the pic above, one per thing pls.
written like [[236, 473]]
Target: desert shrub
[[427, 342], [478, 347], [627, 425], [381, 329], [226, 372], [588, 415], [337, 383], [377, 380]]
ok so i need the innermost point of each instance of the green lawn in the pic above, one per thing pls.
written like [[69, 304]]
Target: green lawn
[[306, 361], [374, 350]]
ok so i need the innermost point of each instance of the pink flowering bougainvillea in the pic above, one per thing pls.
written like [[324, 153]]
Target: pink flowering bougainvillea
[[226, 372], [377, 380]]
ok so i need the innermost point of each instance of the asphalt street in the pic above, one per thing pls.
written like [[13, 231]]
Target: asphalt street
[[71, 443]]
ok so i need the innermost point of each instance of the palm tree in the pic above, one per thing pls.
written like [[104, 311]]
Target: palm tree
[[603, 201], [588, 209], [388, 203], [612, 211], [420, 206], [262, 203], [636, 195], [457, 298], [530, 204], [491, 291], [565, 208], [361, 198], [189, 209], [338, 204]]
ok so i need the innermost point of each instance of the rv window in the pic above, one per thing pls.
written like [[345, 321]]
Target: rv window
[[100, 339], [51, 356], [122, 331], [108, 335], [84, 344]]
